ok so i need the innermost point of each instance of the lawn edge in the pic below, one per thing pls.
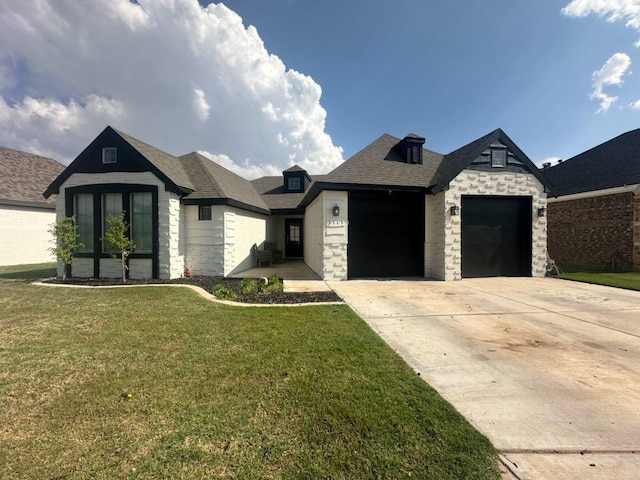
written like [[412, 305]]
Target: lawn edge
[[201, 291]]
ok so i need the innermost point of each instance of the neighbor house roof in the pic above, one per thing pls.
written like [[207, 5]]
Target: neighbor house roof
[[24, 176], [212, 181], [615, 163]]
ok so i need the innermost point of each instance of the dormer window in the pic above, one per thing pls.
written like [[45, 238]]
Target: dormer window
[[296, 180], [411, 148], [498, 158], [293, 184], [109, 155]]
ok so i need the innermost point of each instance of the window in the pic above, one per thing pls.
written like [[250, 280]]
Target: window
[[83, 209], [498, 158], [293, 184], [109, 155], [111, 205], [142, 222], [204, 212]]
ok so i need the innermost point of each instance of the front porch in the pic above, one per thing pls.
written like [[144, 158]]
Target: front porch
[[289, 269]]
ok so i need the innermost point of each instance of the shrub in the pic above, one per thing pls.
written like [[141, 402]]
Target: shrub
[[222, 292], [247, 285], [275, 284]]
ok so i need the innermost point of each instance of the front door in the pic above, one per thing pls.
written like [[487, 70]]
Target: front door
[[293, 237]]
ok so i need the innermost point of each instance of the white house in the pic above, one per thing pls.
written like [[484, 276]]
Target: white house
[[25, 214], [393, 209]]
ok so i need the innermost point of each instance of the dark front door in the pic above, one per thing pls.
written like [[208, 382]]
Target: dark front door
[[293, 237], [496, 236]]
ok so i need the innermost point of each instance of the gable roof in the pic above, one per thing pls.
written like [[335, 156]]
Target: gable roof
[[453, 163], [614, 163], [24, 176], [162, 164], [214, 182]]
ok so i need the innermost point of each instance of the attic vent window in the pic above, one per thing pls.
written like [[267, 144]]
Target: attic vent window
[[414, 154], [109, 155], [498, 158]]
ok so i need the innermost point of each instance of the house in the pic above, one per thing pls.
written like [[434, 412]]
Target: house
[[25, 215], [594, 217], [393, 209]]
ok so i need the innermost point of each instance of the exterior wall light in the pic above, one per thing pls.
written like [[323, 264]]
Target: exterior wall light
[[336, 210], [542, 212], [455, 210]]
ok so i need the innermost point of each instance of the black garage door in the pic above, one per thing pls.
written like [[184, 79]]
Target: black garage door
[[496, 236], [386, 234]]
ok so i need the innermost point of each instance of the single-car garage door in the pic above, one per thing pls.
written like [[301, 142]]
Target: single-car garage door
[[496, 236], [386, 234]]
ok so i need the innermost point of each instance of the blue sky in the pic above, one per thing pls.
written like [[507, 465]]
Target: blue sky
[[453, 70], [261, 85]]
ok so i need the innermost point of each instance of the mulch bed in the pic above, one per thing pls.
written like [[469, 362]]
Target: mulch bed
[[207, 283]]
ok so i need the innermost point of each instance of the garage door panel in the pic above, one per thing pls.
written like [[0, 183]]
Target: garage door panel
[[386, 234], [496, 236]]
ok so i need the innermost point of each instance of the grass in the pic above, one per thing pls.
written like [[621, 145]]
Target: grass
[[216, 392], [33, 271], [628, 280]]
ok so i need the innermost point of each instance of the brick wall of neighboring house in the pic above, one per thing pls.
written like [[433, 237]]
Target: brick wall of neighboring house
[[590, 232], [636, 233]]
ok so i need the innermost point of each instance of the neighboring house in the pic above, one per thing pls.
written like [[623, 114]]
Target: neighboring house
[[25, 215], [394, 209], [594, 219]]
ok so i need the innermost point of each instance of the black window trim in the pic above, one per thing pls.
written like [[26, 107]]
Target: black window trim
[[125, 189], [201, 213]]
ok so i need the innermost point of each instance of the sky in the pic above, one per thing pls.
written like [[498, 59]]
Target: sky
[[261, 85]]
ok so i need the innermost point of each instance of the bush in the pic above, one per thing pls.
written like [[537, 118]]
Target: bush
[[222, 292], [275, 284]]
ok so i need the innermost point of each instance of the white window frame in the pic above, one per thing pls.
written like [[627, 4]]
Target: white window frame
[[109, 155]]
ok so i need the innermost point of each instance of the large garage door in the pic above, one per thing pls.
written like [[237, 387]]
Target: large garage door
[[496, 236], [386, 234]]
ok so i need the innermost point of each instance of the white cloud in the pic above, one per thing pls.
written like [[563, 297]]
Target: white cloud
[[170, 72], [612, 10], [611, 73], [635, 105], [550, 160]]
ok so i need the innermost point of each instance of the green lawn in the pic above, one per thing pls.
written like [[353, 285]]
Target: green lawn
[[628, 280], [216, 392]]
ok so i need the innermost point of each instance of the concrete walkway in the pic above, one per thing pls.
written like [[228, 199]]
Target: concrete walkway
[[547, 369]]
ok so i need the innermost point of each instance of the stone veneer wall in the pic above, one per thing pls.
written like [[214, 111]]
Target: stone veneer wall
[[336, 236], [592, 231], [171, 251], [475, 182], [326, 236], [243, 230], [434, 249]]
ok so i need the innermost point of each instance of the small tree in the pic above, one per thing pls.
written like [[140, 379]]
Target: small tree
[[116, 239], [66, 236]]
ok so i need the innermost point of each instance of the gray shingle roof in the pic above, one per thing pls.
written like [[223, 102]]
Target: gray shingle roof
[[614, 163], [163, 161], [24, 176], [271, 189], [213, 181], [380, 164]]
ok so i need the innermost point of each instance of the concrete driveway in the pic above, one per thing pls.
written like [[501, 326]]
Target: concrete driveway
[[547, 369]]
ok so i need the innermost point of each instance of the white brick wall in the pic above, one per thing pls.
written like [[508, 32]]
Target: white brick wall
[[24, 235], [205, 239], [434, 253], [244, 230], [472, 182], [222, 245], [313, 235]]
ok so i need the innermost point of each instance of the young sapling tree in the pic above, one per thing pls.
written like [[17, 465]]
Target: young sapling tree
[[117, 241], [66, 236]]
